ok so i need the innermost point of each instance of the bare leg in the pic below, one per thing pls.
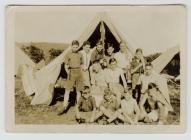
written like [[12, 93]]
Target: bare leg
[[78, 96], [66, 98], [109, 115], [65, 104], [97, 115], [113, 117]]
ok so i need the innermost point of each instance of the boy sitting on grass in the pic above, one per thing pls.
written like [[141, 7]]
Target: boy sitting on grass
[[86, 107], [129, 109], [109, 108]]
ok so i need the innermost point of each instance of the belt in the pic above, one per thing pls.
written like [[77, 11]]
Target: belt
[[74, 68]]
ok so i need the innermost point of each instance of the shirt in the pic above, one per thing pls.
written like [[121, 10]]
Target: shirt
[[111, 105], [98, 79], [96, 56], [73, 59], [86, 105], [159, 80], [113, 76], [123, 59], [86, 58], [129, 106], [135, 63], [108, 58]]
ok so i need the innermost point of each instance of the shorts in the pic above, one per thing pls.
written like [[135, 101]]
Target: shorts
[[135, 78], [74, 79], [153, 115]]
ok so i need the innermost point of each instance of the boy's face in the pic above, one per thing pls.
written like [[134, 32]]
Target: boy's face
[[127, 96], [113, 65], [110, 51], [86, 94], [103, 62], [148, 70], [86, 48], [99, 47], [122, 48], [107, 97], [75, 48], [138, 54], [152, 91]]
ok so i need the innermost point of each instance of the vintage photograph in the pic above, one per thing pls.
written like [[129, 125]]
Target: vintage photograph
[[98, 65]]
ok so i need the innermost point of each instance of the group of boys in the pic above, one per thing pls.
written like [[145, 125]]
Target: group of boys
[[101, 78]]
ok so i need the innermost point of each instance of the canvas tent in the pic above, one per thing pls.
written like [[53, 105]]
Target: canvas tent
[[169, 59], [21, 59], [101, 28]]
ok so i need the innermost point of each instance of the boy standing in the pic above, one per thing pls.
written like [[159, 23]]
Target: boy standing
[[110, 53], [86, 107], [86, 53], [123, 60], [98, 53], [73, 62], [137, 69]]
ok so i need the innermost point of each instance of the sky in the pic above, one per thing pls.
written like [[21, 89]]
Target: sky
[[154, 29]]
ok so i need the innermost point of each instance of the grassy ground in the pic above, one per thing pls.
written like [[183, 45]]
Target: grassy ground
[[42, 114]]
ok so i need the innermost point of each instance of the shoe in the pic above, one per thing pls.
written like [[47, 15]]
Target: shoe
[[116, 122], [64, 110]]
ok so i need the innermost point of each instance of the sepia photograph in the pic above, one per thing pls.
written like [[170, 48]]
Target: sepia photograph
[[104, 68]]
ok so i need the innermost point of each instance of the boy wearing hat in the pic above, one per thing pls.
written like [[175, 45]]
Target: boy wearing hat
[[86, 107]]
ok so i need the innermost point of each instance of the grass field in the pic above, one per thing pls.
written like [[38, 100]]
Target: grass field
[[42, 114]]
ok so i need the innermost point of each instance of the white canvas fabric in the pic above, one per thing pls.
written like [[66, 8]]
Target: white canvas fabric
[[21, 59], [28, 80]]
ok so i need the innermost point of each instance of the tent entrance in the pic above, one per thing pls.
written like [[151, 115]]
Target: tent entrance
[[173, 67], [109, 37]]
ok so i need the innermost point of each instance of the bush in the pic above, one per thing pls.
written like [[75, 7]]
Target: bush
[[54, 53], [34, 53]]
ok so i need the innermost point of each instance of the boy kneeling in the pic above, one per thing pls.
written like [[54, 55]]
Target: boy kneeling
[[159, 107], [86, 107]]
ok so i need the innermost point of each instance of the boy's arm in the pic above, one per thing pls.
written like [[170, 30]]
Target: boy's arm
[[77, 108], [142, 102], [82, 59], [94, 110], [124, 81], [137, 111], [66, 61], [92, 58]]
